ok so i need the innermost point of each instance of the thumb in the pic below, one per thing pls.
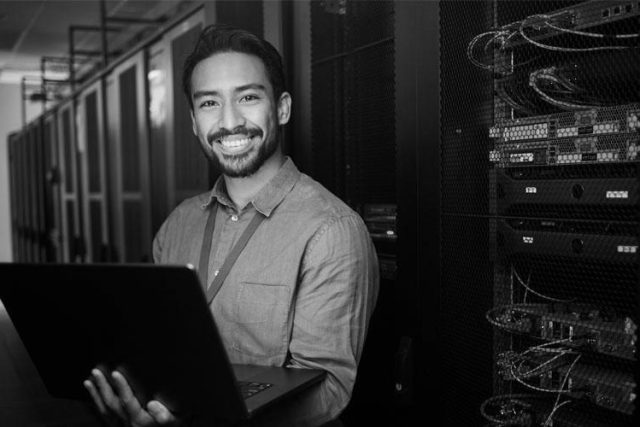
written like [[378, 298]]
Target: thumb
[[160, 413]]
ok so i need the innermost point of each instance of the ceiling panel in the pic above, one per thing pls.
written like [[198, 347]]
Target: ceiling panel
[[32, 29]]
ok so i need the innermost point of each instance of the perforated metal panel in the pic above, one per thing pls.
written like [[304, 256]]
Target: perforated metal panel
[[191, 168], [93, 149], [540, 106], [130, 137], [352, 55], [354, 155], [93, 170], [53, 226]]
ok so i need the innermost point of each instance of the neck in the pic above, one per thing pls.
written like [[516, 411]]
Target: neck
[[243, 190]]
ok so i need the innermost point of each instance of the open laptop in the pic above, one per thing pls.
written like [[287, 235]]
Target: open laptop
[[150, 322]]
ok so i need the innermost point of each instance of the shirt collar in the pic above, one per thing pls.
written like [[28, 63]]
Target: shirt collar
[[269, 196]]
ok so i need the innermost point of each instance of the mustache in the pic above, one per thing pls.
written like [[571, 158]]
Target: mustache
[[240, 130]]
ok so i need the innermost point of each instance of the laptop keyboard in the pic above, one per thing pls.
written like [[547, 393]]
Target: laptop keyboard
[[248, 388]]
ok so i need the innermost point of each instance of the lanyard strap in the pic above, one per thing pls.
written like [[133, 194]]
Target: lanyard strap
[[205, 252]]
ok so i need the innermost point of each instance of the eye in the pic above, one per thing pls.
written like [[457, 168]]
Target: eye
[[208, 103], [249, 98]]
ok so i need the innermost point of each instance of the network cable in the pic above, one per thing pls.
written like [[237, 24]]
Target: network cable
[[514, 273]]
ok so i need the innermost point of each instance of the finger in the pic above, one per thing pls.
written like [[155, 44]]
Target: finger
[[108, 396], [160, 413], [95, 396], [135, 412], [128, 399]]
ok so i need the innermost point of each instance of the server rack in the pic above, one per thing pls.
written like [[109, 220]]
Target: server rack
[[92, 164], [15, 186], [86, 173], [40, 231], [128, 148], [540, 199], [353, 146], [12, 153], [73, 246], [34, 230], [52, 201], [178, 168]]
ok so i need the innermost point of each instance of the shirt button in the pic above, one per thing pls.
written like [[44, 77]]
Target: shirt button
[[234, 218]]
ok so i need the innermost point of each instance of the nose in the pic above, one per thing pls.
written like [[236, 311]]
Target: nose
[[231, 116]]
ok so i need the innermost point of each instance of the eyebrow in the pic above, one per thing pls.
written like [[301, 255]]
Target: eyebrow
[[250, 86], [254, 86]]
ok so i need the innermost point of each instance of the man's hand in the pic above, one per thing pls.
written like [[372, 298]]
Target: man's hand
[[121, 407]]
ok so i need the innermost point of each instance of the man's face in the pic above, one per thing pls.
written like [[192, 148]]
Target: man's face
[[235, 115]]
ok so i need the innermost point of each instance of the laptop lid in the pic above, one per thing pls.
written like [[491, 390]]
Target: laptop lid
[[149, 321]]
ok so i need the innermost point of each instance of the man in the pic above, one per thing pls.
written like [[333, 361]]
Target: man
[[302, 290]]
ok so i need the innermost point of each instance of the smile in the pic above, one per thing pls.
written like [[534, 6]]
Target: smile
[[234, 143]]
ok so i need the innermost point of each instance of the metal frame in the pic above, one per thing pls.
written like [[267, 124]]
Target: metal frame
[[103, 29], [73, 52]]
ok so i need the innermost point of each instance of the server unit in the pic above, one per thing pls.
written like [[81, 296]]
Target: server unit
[[550, 138]]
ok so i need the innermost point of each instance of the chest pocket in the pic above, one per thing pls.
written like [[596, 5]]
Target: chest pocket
[[260, 313]]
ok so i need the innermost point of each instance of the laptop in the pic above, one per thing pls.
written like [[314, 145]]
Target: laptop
[[152, 323]]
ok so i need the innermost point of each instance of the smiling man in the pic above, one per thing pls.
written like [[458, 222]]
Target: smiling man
[[302, 290]]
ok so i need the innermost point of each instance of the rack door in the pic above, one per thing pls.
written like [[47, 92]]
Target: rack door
[[71, 237], [178, 167], [129, 161], [53, 219], [91, 149]]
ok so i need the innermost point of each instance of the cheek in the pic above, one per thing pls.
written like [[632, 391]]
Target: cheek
[[269, 123], [203, 126], [262, 118]]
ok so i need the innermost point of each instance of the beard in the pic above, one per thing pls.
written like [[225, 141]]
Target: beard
[[245, 164]]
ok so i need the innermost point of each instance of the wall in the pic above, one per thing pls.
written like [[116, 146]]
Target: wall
[[10, 121]]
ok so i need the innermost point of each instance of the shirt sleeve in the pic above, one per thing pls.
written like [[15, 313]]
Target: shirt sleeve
[[336, 295], [158, 243]]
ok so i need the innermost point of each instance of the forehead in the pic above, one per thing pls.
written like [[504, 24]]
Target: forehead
[[226, 71]]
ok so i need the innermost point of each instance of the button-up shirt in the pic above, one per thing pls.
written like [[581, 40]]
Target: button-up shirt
[[301, 292]]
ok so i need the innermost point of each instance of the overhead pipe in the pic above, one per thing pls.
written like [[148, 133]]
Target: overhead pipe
[[73, 52], [44, 81]]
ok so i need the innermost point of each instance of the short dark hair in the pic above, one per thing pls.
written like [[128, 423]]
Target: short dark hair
[[219, 38]]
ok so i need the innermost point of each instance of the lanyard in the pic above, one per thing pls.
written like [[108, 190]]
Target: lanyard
[[205, 252]]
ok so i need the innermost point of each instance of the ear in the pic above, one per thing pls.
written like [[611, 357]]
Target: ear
[[193, 123], [284, 108]]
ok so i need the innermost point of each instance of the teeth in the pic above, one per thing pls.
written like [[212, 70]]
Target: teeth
[[237, 143]]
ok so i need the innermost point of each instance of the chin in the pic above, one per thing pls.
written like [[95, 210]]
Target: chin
[[241, 167]]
